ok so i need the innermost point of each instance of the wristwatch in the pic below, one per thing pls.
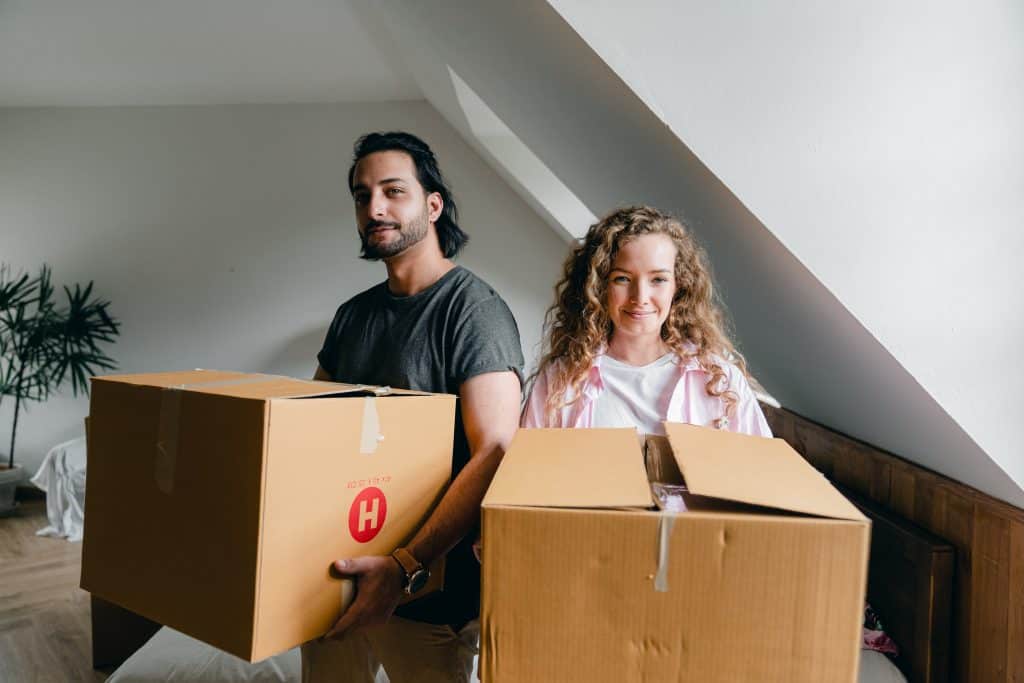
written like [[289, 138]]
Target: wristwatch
[[415, 575]]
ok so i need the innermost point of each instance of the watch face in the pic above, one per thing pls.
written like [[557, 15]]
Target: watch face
[[417, 581]]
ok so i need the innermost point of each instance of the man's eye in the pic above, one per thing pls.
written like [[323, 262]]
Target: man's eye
[[360, 199], [392, 191]]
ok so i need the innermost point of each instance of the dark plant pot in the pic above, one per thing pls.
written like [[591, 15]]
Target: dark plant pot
[[9, 480]]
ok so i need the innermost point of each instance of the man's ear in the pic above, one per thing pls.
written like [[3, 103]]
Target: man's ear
[[434, 206]]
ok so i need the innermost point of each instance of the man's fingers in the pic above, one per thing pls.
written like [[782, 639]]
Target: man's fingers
[[376, 592], [351, 567], [336, 632], [343, 625]]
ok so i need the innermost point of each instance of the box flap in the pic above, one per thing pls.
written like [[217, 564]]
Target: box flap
[[243, 385], [169, 379], [754, 470], [572, 468]]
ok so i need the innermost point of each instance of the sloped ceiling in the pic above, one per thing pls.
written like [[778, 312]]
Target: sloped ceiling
[[881, 143], [564, 102]]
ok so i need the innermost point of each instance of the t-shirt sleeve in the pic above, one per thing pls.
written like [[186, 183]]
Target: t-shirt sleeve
[[328, 355], [485, 340]]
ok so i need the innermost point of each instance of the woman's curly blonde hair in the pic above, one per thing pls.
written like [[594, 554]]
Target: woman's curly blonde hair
[[577, 326]]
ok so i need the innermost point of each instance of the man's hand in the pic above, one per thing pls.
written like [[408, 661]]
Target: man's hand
[[378, 589]]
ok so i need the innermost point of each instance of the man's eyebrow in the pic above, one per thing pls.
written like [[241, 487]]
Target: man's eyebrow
[[362, 186]]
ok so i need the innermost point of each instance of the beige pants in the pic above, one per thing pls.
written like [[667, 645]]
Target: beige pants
[[409, 651]]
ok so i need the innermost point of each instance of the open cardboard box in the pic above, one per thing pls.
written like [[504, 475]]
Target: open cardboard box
[[761, 579], [217, 501]]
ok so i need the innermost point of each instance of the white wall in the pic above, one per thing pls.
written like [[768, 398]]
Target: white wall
[[882, 143], [560, 98], [224, 236]]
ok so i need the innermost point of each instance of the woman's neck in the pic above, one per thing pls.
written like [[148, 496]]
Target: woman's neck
[[636, 350]]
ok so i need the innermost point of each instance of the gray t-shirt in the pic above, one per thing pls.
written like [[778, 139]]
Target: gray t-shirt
[[434, 341]]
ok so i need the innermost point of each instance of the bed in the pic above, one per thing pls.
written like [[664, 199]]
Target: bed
[[909, 585], [172, 657]]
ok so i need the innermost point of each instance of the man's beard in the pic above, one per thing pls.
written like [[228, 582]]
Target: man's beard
[[408, 235]]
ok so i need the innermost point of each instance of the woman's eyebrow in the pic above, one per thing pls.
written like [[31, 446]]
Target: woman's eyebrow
[[630, 272]]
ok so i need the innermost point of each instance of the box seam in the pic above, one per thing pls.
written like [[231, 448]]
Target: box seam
[[265, 462]]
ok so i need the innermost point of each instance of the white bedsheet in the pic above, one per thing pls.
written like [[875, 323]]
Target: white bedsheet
[[62, 476], [176, 658], [876, 668]]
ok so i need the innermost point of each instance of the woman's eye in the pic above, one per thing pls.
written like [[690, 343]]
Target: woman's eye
[[620, 279]]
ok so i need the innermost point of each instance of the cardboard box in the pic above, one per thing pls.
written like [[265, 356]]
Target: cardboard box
[[761, 579], [217, 501]]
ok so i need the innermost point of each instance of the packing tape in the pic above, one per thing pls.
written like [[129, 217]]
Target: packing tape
[[167, 440], [370, 437], [166, 457], [665, 523]]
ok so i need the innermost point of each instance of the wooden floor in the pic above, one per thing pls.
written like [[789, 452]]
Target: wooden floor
[[44, 615]]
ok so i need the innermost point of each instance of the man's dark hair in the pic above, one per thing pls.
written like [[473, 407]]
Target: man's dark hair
[[449, 234]]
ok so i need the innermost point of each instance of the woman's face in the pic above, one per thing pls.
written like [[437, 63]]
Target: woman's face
[[641, 285]]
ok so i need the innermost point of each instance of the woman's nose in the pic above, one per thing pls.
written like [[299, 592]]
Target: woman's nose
[[639, 293]]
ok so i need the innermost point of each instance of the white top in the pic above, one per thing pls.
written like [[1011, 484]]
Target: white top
[[690, 402], [636, 396]]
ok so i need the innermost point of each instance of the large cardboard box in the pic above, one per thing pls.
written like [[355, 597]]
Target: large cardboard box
[[217, 501], [761, 579]]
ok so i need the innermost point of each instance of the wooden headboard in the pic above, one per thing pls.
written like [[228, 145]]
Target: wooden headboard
[[987, 630], [910, 586]]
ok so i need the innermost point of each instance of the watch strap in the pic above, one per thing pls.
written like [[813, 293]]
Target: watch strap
[[409, 564]]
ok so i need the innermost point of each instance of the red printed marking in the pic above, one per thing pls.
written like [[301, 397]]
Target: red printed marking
[[367, 514]]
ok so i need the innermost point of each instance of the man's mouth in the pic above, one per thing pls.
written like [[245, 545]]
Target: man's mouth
[[379, 228]]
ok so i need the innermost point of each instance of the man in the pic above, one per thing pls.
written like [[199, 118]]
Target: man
[[432, 326]]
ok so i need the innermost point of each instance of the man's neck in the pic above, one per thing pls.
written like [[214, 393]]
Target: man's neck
[[416, 268]]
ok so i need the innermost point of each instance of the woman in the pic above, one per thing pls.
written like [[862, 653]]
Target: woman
[[635, 336]]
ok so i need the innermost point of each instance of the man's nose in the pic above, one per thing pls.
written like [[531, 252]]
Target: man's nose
[[378, 206]]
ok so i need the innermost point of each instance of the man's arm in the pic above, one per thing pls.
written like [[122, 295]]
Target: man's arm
[[490, 415]]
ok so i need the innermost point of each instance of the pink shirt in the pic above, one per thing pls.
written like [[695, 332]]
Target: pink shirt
[[690, 402]]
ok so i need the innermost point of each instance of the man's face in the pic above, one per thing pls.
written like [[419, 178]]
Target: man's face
[[393, 212]]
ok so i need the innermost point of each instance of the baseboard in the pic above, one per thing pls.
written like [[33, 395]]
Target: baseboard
[[28, 492]]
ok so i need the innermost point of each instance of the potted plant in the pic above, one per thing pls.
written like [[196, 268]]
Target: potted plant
[[43, 344]]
